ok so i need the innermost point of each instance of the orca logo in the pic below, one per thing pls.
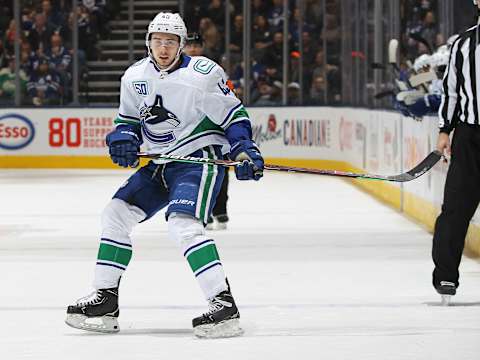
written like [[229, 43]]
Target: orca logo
[[156, 114], [16, 131]]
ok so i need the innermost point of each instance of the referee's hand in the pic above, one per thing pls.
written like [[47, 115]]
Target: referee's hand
[[443, 144]]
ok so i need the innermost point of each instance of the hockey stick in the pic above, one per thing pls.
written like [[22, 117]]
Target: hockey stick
[[425, 165]]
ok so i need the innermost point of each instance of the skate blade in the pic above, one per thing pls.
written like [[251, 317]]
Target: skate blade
[[103, 324], [446, 300], [224, 329]]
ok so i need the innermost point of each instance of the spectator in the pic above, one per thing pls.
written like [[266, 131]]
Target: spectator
[[293, 94], [331, 33], [98, 17], [236, 37], [39, 36], [7, 83], [310, 49], [268, 94], [211, 39], [261, 36], [28, 19], [216, 12], [59, 58], [44, 85], [294, 25], [275, 15], [86, 38], [274, 52], [259, 8], [328, 71], [28, 58], [5, 15], [52, 16], [9, 39], [317, 91], [314, 14]]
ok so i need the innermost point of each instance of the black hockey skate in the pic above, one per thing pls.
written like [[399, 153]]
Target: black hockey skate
[[96, 312], [221, 321], [446, 289]]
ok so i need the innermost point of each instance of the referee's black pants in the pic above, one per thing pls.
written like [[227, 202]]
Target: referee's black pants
[[460, 200], [222, 198]]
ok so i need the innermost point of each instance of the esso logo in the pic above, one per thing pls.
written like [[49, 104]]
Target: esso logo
[[16, 131]]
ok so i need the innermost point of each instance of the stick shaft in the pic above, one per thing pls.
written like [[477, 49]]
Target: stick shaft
[[412, 174]]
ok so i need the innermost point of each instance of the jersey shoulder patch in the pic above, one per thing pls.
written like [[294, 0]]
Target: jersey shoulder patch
[[203, 65]]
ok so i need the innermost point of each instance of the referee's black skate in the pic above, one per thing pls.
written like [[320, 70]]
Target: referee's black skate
[[222, 320], [446, 289], [96, 312]]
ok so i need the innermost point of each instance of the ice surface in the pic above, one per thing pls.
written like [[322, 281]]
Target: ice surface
[[318, 268]]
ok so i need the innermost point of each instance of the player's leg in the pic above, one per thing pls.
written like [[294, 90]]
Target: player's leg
[[460, 201], [138, 199], [193, 189]]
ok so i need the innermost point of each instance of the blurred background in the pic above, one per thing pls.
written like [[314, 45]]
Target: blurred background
[[277, 52]]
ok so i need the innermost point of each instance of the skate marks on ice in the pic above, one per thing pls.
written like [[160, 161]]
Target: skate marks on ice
[[129, 329], [253, 330], [452, 303]]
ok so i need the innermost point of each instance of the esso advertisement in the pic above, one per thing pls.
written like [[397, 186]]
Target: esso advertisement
[[16, 131], [55, 131]]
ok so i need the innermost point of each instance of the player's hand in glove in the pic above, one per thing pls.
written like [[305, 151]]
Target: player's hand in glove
[[124, 144], [251, 166]]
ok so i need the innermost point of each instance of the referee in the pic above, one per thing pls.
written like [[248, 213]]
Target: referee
[[459, 110]]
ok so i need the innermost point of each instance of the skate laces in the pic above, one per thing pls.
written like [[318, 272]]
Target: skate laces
[[216, 304], [91, 298]]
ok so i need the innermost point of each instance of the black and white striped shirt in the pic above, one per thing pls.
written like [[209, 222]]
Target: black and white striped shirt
[[461, 83]]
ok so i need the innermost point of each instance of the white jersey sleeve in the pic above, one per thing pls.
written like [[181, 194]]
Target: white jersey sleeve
[[128, 112], [219, 102]]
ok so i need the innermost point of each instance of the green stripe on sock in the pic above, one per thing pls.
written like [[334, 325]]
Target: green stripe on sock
[[115, 254], [203, 256]]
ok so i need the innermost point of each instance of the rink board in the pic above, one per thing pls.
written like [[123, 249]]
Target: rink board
[[346, 139]]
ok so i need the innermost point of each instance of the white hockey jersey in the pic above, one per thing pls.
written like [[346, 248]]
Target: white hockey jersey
[[182, 111]]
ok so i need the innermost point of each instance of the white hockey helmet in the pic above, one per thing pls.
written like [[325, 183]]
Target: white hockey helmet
[[170, 23], [421, 62]]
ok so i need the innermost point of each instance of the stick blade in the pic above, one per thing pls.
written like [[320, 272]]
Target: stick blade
[[425, 165]]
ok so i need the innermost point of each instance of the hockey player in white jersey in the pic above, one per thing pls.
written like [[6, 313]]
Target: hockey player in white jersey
[[172, 104]]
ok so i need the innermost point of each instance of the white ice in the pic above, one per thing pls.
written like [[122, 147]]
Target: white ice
[[319, 269]]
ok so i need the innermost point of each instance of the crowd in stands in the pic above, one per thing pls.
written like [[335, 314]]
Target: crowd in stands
[[46, 47], [321, 71], [419, 21]]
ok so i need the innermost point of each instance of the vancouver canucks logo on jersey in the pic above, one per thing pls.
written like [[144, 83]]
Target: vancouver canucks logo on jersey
[[155, 119], [156, 113]]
